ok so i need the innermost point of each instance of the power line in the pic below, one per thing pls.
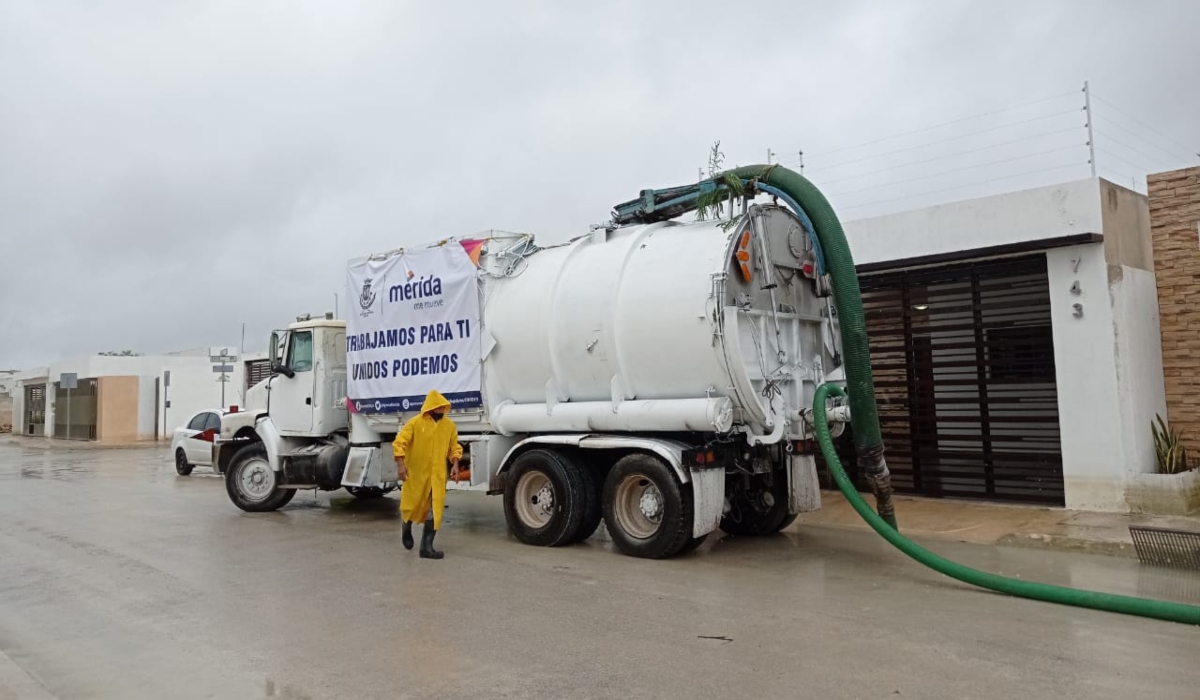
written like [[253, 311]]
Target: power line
[[952, 155], [1123, 160], [959, 137], [1189, 149], [1120, 175], [959, 187], [1154, 162], [949, 123], [969, 167], [1113, 122]]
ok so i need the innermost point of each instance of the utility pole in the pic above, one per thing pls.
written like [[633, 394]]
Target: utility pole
[[335, 305], [1087, 107], [770, 155], [801, 162]]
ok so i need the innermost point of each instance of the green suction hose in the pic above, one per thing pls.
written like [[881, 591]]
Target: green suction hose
[[1162, 610], [864, 418]]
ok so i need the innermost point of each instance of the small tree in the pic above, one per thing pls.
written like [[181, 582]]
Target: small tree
[[121, 353]]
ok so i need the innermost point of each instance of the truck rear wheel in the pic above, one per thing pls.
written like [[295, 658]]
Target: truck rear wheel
[[759, 510], [593, 511], [545, 499], [646, 509], [251, 483]]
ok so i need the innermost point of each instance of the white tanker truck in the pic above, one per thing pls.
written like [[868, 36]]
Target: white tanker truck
[[657, 376]]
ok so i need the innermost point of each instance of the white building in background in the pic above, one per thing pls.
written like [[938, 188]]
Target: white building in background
[[7, 387], [1015, 344], [124, 399]]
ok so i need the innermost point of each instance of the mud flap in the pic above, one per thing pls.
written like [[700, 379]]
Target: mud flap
[[804, 491], [363, 468], [708, 498]]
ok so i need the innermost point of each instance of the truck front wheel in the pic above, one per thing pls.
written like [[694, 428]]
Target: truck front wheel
[[545, 499], [251, 483], [646, 509]]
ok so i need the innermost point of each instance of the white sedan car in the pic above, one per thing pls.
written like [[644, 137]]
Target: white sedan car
[[191, 451]]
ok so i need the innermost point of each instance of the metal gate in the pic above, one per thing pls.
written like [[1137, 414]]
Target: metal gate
[[75, 411], [35, 410], [963, 358]]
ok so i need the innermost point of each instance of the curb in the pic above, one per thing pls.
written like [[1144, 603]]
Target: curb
[[1061, 543], [54, 445], [1068, 544]]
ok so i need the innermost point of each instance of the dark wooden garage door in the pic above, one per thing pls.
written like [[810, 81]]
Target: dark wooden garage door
[[963, 359]]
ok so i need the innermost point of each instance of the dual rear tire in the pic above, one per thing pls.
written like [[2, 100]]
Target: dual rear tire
[[553, 498]]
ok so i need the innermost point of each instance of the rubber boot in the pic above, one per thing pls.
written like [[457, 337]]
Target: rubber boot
[[427, 550], [406, 537]]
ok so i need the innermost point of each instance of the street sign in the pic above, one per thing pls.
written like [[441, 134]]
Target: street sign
[[167, 378], [221, 354], [68, 380], [222, 369]]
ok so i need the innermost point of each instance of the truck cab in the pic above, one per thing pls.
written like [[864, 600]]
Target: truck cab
[[306, 396], [295, 432]]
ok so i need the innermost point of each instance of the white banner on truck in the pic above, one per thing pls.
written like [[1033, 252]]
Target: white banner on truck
[[413, 327]]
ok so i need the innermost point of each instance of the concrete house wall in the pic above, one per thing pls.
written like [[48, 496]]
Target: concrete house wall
[[1108, 354]]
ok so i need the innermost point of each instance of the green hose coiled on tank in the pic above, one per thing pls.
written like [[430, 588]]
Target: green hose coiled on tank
[[1162, 610], [864, 419]]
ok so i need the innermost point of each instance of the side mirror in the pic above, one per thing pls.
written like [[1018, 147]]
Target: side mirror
[[284, 370], [273, 349]]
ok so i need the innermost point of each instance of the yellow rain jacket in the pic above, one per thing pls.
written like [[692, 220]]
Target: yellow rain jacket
[[426, 445]]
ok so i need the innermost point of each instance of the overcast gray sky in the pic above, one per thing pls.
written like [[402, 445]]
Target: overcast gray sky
[[169, 171]]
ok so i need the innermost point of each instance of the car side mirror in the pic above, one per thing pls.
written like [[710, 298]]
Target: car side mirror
[[284, 370]]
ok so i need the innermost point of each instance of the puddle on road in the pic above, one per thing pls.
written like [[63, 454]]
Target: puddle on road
[[1162, 583], [284, 692]]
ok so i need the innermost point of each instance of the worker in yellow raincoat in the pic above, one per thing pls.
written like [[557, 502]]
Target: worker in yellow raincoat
[[422, 448]]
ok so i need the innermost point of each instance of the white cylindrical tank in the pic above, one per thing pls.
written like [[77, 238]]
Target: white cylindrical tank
[[657, 314]]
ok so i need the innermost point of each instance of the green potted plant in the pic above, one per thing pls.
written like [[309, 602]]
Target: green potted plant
[[1174, 489], [1168, 448]]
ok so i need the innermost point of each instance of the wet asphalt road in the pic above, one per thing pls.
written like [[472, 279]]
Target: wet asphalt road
[[119, 579]]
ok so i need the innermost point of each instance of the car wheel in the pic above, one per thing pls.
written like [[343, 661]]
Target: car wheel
[[182, 468]]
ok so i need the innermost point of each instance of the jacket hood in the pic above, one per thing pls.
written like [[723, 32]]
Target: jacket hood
[[434, 401]]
